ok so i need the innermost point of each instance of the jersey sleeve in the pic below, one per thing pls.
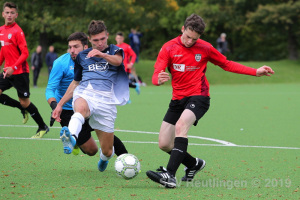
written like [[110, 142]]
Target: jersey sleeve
[[219, 59], [161, 64], [56, 75], [131, 55], [22, 45], [78, 69]]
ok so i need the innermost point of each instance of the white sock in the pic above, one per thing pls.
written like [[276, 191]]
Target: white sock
[[75, 124], [104, 158]]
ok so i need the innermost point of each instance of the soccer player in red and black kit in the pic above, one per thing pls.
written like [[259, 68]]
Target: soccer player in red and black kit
[[16, 70], [128, 61], [186, 58]]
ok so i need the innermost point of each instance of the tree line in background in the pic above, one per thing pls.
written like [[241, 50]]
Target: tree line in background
[[256, 29]]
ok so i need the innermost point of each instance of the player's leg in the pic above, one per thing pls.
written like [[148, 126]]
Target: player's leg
[[106, 141], [65, 117], [70, 134], [198, 105], [6, 84], [179, 151], [21, 83], [119, 146], [85, 140], [166, 136], [166, 143]]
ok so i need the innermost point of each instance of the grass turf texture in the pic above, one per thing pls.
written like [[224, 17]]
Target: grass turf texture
[[257, 117]]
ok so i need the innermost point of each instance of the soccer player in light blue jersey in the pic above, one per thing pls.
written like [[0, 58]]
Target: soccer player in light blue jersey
[[100, 83]]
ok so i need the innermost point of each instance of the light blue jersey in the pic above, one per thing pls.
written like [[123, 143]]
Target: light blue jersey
[[62, 74], [96, 75]]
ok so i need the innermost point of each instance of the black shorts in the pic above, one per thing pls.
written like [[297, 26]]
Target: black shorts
[[85, 133], [18, 81], [197, 104]]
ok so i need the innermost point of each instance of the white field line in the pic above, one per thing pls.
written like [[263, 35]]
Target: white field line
[[143, 132], [222, 143]]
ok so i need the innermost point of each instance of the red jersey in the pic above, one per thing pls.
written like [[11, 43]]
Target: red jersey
[[14, 48], [188, 66], [129, 55]]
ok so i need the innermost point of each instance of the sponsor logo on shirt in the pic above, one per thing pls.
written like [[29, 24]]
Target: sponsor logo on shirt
[[198, 57], [99, 66], [177, 55], [179, 67], [191, 68]]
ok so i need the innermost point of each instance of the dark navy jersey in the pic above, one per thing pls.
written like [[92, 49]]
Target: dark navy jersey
[[100, 75]]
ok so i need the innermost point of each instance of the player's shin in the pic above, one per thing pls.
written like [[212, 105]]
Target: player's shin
[[75, 124], [177, 154]]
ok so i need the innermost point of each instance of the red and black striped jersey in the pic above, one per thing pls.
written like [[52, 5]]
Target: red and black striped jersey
[[14, 49], [188, 66]]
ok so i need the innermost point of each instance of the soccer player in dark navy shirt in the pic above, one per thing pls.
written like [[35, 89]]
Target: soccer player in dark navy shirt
[[100, 83]]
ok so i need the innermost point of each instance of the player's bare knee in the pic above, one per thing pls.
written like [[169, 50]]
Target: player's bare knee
[[164, 146], [107, 152], [180, 129], [91, 152]]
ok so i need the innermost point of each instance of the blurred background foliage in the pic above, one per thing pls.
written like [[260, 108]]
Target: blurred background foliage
[[256, 29]]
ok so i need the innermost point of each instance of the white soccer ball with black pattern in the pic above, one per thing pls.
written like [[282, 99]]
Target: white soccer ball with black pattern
[[127, 166]]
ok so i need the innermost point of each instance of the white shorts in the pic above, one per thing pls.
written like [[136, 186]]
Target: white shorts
[[102, 116]]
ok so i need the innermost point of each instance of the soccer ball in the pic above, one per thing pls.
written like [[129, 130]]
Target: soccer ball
[[127, 166]]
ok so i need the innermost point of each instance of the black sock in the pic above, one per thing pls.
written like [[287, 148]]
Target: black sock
[[6, 100], [177, 154], [119, 146], [188, 161], [34, 113]]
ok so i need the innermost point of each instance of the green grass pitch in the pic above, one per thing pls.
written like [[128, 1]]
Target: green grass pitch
[[249, 139]]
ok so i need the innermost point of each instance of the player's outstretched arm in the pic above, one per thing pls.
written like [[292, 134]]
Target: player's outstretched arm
[[68, 95], [264, 71], [115, 60]]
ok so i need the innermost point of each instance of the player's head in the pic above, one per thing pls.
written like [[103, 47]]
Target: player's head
[[10, 13], [98, 34], [119, 37], [77, 42], [192, 29]]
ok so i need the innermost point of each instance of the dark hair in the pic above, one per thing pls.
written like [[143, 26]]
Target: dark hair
[[195, 23], [120, 34], [10, 5], [79, 36], [96, 27]]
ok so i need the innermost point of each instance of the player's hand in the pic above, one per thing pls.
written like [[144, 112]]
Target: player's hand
[[96, 53], [264, 71], [56, 113], [8, 71], [163, 77], [129, 66]]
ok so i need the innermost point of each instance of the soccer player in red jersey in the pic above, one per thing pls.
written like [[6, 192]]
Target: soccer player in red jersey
[[186, 58], [129, 60], [16, 70]]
